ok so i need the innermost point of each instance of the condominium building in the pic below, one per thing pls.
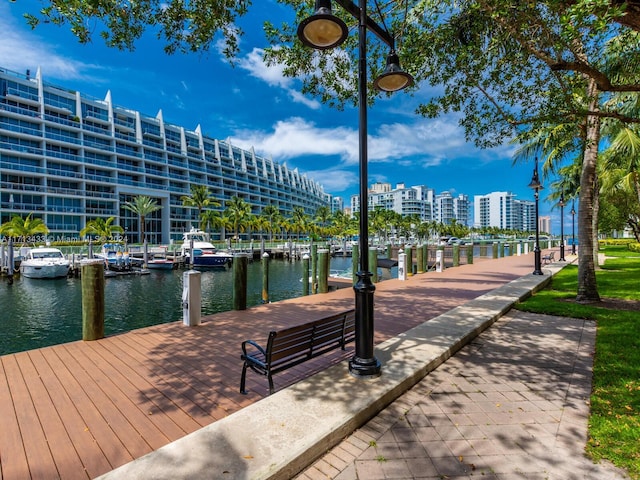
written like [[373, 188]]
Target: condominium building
[[502, 210], [69, 158]]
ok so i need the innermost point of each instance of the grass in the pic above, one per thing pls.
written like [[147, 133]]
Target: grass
[[614, 424]]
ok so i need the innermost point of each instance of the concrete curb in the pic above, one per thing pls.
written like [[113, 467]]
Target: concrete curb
[[280, 435]]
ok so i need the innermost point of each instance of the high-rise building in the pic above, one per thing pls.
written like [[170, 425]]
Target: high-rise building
[[405, 201], [68, 158], [502, 210]]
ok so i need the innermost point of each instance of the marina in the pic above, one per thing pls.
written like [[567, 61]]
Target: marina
[[38, 313]]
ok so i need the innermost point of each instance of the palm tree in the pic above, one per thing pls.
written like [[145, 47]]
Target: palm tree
[[272, 214], [238, 212], [24, 229], [101, 228], [300, 220], [199, 198], [323, 215], [142, 206], [210, 219]]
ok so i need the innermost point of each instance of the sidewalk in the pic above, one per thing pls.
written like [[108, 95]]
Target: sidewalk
[[512, 404]]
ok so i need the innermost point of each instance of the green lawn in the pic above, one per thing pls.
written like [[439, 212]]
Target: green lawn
[[614, 424]]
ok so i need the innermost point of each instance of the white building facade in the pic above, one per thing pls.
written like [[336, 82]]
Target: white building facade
[[502, 210], [69, 159]]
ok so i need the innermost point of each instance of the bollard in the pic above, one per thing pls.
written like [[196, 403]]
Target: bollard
[[265, 277], [323, 274], [519, 248], [495, 249], [314, 268], [402, 271], [456, 255], [408, 251], [469, 253], [355, 262], [388, 250], [90, 249], [191, 298], [526, 247], [305, 274], [92, 299], [420, 258], [440, 259], [373, 263], [240, 282]]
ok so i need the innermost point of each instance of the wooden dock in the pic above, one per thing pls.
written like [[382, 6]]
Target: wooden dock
[[80, 409]]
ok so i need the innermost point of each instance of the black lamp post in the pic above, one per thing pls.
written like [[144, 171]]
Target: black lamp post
[[537, 186], [573, 229], [323, 31], [561, 203]]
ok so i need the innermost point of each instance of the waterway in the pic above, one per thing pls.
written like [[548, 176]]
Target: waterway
[[37, 313]]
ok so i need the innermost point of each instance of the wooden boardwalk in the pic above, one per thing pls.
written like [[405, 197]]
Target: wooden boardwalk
[[78, 410]]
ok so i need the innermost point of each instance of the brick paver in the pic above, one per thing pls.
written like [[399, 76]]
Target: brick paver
[[513, 404]]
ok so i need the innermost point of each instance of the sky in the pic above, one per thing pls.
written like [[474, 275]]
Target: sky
[[255, 106]]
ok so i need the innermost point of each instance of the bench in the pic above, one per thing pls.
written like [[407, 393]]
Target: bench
[[294, 345], [549, 257]]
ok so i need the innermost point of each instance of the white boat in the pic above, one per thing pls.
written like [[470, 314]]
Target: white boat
[[161, 264], [204, 253], [44, 262]]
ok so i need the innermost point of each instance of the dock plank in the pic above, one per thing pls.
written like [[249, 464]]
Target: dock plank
[[12, 450], [95, 424], [41, 464], [62, 449], [85, 444]]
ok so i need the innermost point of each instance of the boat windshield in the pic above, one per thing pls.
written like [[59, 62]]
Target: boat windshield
[[43, 255]]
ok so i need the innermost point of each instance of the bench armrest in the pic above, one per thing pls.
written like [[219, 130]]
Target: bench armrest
[[253, 344]]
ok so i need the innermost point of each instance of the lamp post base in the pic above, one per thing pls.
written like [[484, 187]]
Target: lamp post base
[[363, 364], [562, 252], [364, 368], [537, 268]]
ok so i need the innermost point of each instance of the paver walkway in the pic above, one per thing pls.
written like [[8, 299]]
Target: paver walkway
[[513, 404]]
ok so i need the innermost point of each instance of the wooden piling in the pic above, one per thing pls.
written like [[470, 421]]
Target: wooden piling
[[92, 300], [240, 282]]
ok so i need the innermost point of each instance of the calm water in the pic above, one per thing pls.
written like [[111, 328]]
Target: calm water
[[37, 313]]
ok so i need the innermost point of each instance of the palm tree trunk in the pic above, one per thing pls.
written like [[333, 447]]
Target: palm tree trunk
[[587, 287]]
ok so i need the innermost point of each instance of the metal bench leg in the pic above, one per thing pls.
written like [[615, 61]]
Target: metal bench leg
[[243, 379], [271, 389]]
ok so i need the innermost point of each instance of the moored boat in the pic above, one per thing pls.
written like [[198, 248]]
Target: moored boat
[[161, 264], [44, 262], [204, 253]]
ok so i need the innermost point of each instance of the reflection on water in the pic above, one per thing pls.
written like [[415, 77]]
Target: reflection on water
[[36, 313]]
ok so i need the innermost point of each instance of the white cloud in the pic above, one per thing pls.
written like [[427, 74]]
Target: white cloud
[[20, 52], [423, 142], [273, 76]]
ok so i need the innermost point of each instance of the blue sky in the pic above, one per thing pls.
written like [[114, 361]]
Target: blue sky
[[256, 106]]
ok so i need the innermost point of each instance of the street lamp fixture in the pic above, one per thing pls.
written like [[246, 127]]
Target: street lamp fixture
[[561, 203], [536, 186], [323, 31], [573, 228]]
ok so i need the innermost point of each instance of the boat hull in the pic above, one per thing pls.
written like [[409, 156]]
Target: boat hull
[[44, 271], [211, 261], [161, 265]]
